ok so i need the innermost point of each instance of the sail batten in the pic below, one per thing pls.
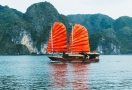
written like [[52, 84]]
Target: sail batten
[[58, 38], [79, 41]]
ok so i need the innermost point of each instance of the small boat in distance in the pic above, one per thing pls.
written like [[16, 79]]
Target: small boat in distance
[[78, 50]]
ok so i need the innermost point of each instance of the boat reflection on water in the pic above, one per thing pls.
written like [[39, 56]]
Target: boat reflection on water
[[80, 76], [69, 76], [58, 75]]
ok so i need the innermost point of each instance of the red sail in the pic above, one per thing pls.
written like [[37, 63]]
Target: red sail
[[58, 38], [79, 41]]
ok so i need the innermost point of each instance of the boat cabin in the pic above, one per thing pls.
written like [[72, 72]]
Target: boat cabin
[[81, 55]]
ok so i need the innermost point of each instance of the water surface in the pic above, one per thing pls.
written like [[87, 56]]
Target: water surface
[[112, 72]]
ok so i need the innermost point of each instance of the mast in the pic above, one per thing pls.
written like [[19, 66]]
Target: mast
[[51, 39], [72, 37]]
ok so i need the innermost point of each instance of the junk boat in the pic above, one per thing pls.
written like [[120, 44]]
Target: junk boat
[[78, 49]]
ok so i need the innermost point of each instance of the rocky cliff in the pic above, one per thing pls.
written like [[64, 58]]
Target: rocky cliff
[[107, 35], [27, 33], [31, 29]]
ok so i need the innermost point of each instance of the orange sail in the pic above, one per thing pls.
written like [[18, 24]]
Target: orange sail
[[58, 38], [79, 41]]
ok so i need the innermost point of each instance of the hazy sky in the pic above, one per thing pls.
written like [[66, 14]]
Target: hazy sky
[[112, 8]]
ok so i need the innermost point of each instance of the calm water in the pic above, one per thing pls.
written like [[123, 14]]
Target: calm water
[[112, 72]]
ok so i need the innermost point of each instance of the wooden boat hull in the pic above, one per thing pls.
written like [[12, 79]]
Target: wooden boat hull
[[62, 59]]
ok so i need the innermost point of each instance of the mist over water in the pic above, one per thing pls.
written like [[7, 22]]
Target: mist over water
[[112, 72]]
